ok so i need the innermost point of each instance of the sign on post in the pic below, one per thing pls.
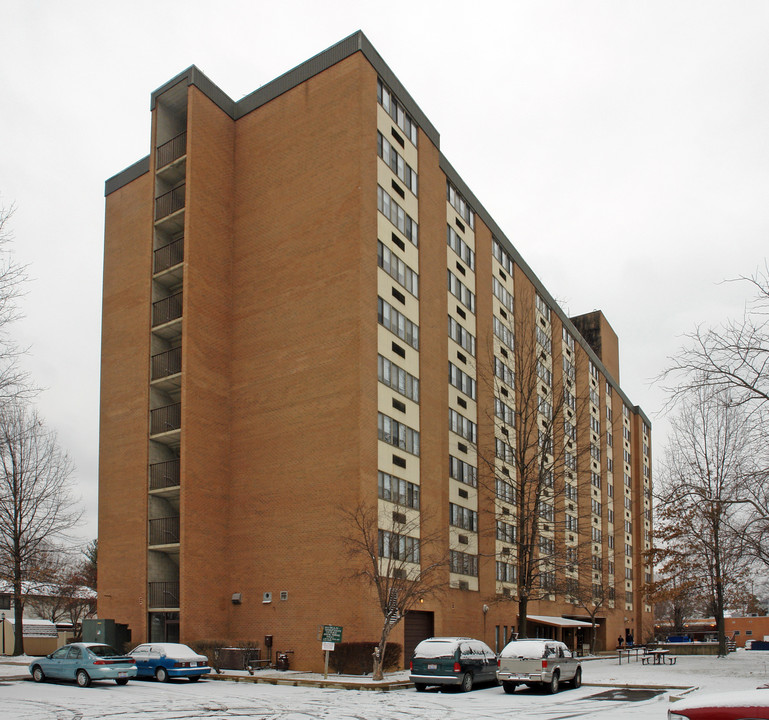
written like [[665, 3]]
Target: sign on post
[[331, 634]]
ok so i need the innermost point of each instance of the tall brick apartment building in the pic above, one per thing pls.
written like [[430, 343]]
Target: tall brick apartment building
[[306, 309]]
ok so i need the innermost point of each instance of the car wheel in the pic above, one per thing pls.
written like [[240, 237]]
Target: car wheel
[[37, 674], [552, 686], [467, 682], [83, 678], [509, 687], [194, 678], [161, 674], [121, 681], [577, 681], [420, 687]]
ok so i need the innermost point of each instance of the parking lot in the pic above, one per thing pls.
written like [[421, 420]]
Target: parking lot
[[610, 691]]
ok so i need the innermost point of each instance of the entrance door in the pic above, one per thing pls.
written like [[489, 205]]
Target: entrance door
[[418, 625]]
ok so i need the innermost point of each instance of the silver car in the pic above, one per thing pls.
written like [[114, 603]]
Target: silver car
[[544, 663]]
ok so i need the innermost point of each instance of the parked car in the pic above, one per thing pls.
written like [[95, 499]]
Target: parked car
[[743, 705], [84, 662], [169, 660], [452, 661], [544, 663]]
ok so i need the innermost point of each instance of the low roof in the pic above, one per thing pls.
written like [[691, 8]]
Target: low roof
[[558, 621]]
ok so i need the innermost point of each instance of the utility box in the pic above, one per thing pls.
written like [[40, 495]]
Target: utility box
[[106, 631]]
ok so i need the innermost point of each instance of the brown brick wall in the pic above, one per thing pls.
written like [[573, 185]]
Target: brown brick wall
[[124, 405]]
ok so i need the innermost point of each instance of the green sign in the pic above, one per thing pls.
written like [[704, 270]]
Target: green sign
[[332, 633]]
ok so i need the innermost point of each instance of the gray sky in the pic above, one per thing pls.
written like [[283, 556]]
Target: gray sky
[[622, 146]]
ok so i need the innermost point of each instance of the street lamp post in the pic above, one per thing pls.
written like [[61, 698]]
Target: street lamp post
[[2, 625]]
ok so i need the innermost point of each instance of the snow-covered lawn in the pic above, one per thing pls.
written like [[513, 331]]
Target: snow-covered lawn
[[149, 700]]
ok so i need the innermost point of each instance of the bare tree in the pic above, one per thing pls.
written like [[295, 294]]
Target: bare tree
[[391, 553], [702, 475], [14, 382], [591, 592], [36, 504], [533, 461], [733, 357]]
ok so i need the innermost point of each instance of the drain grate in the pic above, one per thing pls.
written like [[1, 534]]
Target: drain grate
[[625, 695]]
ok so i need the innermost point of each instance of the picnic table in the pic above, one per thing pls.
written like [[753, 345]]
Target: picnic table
[[628, 651], [657, 657]]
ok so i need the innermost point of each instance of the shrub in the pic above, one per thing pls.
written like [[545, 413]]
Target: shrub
[[354, 658]]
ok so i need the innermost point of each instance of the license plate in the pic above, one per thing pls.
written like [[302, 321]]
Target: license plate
[[122, 674], [432, 666]]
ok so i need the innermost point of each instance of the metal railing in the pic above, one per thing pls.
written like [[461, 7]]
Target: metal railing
[[163, 595], [169, 202], [169, 255], [164, 531], [167, 363], [167, 309], [165, 474], [166, 418], [171, 150]]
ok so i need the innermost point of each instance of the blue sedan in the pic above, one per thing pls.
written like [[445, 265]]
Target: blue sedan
[[164, 661], [84, 662]]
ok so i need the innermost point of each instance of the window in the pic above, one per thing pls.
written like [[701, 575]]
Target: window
[[595, 452], [460, 247], [398, 491], [503, 372], [570, 431], [463, 563], [504, 412], [398, 379], [595, 507], [462, 426], [545, 408], [397, 215], [396, 111], [507, 572], [546, 546], [595, 424], [544, 340], [462, 381], [597, 562], [503, 332], [398, 547], [506, 532], [572, 525], [503, 451], [571, 491], [546, 511], [463, 517], [461, 292], [596, 534], [397, 269], [543, 307], [502, 256], [396, 163], [505, 491], [461, 336], [594, 397], [544, 374], [501, 293], [460, 205], [462, 471], [628, 550], [595, 480], [570, 459], [398, 323], [568, 369], [568, 339], [397, 434]]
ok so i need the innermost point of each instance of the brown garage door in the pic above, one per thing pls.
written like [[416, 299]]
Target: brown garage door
[[418, 625]]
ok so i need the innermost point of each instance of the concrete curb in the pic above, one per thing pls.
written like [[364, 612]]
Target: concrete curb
[[384, 686]]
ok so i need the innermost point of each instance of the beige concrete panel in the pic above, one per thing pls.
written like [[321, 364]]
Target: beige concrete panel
[[385, 396], [385, 124], [385, 229], [384, 288], [385, 339], [385, 453]]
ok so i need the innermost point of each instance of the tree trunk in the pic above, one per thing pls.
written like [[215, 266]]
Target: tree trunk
[[523, 610], [377, 672], [18, 615]]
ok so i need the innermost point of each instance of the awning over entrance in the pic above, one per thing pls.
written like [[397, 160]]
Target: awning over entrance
[[561, 622]]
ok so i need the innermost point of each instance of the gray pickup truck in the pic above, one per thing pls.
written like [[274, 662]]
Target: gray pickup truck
[[546, 663]]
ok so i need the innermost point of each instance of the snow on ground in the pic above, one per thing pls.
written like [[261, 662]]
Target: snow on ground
[[220, 700]]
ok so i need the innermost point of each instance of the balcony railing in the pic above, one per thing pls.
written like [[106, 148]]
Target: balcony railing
[[167, 363], [163, 595], [169, 202], [166, 418], [164, 531], [169, 255], [165, 474], [171, 150], [167, 309]]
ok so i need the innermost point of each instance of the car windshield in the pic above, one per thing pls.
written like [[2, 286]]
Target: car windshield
[[103, 650], [434, 649]]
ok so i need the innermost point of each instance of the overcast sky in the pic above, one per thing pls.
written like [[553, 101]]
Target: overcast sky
[[623, 147]]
